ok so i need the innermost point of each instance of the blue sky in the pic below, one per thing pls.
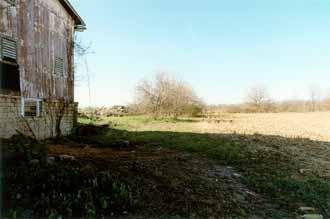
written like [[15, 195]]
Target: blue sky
[[220, 47]]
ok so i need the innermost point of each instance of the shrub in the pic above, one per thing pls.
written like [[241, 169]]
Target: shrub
[[166, 96], [193, 110]]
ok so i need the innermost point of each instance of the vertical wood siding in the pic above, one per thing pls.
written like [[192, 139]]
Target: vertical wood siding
[[44, 31]]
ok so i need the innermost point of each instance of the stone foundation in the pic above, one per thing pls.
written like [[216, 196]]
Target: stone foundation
[[42, 127]]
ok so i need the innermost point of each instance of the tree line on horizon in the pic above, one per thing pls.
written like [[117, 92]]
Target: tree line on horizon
[[166, 96], [258, 100]]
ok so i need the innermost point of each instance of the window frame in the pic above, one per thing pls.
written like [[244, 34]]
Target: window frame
[[38, 107]]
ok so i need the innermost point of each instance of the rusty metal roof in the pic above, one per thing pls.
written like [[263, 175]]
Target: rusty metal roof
[[79, 22]]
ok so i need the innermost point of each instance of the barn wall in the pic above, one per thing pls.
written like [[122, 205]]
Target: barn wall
[[43, 30], [40, 127]]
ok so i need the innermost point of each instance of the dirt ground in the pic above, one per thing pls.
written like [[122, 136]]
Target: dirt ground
[[185, 168], [173, 183]]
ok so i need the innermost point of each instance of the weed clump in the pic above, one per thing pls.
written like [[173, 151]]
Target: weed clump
[[57, 189], [64, 189]]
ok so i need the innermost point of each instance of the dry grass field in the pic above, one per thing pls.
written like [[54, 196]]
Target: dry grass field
[[315, 154], [315, 126]]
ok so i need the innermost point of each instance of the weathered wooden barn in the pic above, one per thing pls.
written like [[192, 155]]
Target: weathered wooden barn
[[36, 67]]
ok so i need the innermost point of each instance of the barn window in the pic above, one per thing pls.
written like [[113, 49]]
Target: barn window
[[9, 50], [31, 107], [9, 70], [59, 66]]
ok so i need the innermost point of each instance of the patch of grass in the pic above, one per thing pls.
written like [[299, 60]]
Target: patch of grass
[[292, 193], [312, 191], [218, 148], [86, 121], [201, 143]]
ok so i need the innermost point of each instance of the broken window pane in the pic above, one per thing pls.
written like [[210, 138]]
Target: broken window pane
[[9, 77]]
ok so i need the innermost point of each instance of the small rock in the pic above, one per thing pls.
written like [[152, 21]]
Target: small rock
[[237, 175], [306, 209], [51, 160], [255, 217], [18, 196], [305, 171], [34, 162], [126, 143], [251, 193], [312, 216], [125, 212], [66, 157]]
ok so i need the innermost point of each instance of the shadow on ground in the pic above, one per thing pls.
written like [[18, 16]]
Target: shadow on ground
[[179, 175]]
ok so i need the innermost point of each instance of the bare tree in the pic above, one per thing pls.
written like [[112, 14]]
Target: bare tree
[[166, 96], [258, 99], [314, 97]]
